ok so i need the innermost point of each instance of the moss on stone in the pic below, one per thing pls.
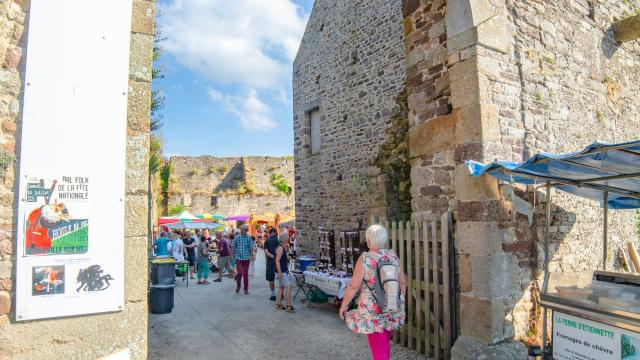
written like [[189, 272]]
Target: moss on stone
[[393, 162]]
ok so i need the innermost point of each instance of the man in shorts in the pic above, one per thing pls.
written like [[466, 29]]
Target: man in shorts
[[270, 247], [224, 255]]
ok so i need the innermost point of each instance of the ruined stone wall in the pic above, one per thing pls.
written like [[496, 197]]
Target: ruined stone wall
[[89, 336], [239, 185], [350, 66]]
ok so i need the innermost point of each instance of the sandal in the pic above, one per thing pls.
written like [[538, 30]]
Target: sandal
[[290, 309], [280, 307]]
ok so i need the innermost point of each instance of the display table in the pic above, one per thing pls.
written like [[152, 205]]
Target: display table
[[331, 285]]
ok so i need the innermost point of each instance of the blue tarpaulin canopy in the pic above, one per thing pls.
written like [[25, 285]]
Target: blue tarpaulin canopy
[[599, 168]]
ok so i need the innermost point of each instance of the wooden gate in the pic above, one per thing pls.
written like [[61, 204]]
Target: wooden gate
[[426, 250]]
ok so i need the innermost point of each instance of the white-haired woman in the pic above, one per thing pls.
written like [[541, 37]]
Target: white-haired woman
[[368, 318]]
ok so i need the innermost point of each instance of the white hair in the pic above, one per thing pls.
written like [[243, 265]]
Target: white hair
[[283, 237], [377, 236]]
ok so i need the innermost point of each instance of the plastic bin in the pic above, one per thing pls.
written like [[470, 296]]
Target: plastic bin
[[163, 271], [305, 261], [161, 299]]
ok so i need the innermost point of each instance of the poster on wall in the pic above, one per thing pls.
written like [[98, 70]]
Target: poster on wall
[[70, 228], [57, 216], [575, 338]]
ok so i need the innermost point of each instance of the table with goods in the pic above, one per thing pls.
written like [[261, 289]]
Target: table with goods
[[323, 279]]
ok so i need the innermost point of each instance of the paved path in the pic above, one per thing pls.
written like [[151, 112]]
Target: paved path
[[213, 322]]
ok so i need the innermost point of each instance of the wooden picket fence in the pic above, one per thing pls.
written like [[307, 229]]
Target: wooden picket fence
[[428, 257]]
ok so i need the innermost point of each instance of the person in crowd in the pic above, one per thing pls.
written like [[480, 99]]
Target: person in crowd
[[203, 262], [252, 259], [232, 258], [224, 254], [368, 318], [190, 246], [292, 241], [282, 272], [177, 248], [161, 244], [270, 247], [172, 238], [243, 247]]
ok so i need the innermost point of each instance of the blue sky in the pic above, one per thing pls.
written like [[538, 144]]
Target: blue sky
[[227, 67]]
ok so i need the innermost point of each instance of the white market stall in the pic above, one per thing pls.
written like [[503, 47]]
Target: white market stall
[[596, 315]]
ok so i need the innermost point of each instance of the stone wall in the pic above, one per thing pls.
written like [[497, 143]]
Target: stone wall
[[240, 185], [90, 336], [432, 130], [350, 66], [563, 83], [523, 77]]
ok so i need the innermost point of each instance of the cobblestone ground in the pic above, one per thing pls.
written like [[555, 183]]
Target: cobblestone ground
[[213, 322]]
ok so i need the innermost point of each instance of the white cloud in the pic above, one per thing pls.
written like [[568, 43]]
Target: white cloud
[[252, 112], [248, 42], [214, 94]]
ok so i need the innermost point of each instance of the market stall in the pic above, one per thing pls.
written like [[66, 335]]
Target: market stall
[[331, 284], [596, 314]]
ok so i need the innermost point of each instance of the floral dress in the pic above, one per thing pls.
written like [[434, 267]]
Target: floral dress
[[367, 318]]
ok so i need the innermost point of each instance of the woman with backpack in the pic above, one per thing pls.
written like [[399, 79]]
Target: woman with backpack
[[379, 277]]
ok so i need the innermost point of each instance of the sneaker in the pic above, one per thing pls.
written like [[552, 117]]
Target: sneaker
[[217, 280], [237, 290], [272, 298], [246, 292]]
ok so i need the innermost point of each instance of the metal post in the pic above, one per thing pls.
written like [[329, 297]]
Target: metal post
[[546, 263], [605, 237]]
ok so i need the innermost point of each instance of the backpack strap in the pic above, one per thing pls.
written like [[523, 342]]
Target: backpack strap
[[377, 280]]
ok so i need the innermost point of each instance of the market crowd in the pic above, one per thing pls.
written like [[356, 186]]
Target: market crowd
[[378, 296], [233, 252]]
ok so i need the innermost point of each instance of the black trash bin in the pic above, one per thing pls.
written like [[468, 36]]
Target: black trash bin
[[163, 271], [161, 299]]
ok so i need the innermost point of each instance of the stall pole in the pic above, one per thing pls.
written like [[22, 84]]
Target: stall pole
[[605, 237], [546, 261]]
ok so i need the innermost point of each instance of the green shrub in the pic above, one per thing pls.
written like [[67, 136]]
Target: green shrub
[[165, 177], [279, 182], [176, 210]]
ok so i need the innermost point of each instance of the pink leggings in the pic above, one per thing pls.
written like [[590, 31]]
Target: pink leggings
[[379, 344]]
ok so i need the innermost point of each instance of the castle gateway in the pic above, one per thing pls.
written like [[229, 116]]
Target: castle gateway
[[392, 96]]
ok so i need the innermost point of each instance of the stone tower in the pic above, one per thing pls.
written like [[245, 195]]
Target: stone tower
[[485, 79]]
